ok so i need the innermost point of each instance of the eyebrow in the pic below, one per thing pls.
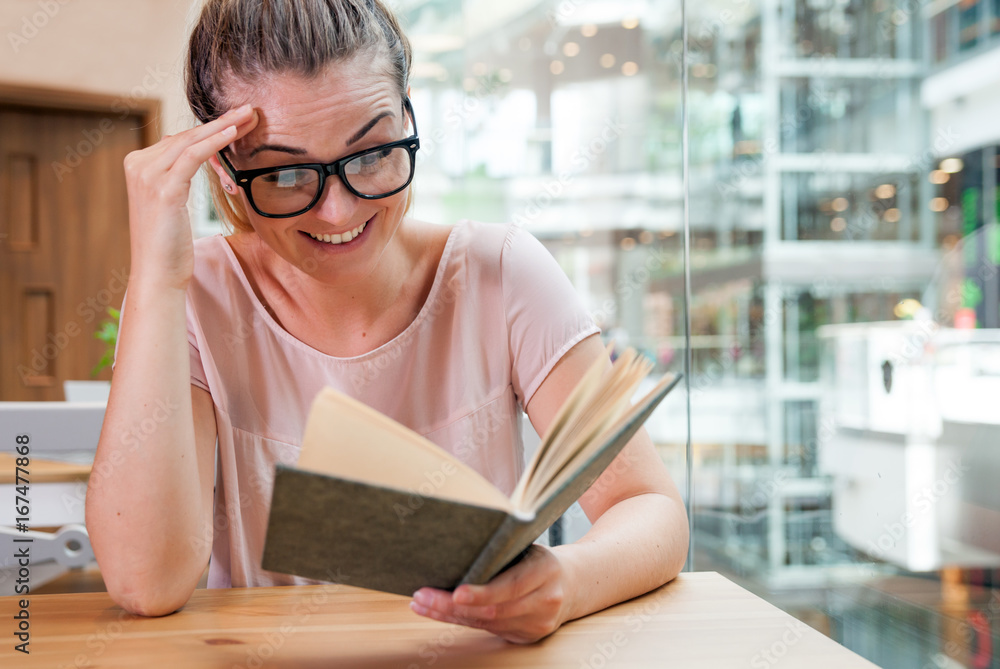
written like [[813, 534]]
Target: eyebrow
[[371, 124], [295, 151]]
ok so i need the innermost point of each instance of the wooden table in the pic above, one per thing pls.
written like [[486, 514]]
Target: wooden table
[[43, 471], [698, 620]]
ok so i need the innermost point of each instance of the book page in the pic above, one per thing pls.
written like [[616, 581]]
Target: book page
[[594, 445], [578, 396], [350, 440], [595, 404], [591, 419]]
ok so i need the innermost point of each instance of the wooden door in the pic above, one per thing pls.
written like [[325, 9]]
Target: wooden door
[[64, 240]]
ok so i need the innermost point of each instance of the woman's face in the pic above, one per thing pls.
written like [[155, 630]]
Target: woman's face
[[351, 107]]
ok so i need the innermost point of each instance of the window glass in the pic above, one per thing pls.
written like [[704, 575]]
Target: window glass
[[844, 251]]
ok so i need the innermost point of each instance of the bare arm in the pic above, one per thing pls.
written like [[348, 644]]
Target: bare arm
[[149, 502], [639, 537], [638, 541]]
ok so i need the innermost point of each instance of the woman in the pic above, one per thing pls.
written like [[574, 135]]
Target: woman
[[450, 331]]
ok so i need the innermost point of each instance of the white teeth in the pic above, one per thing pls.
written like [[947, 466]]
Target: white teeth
[[342, 238]]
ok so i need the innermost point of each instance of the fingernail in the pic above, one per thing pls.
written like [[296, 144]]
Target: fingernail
[[422, 598]]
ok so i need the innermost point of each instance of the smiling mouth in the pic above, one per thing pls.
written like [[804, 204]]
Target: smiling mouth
[[342, 238]]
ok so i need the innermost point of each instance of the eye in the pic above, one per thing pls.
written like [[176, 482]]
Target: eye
[[288, 178], [375, 157]]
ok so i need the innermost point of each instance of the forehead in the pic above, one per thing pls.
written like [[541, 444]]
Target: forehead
[[317, 113]]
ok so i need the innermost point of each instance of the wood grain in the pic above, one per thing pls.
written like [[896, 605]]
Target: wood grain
[[43, 471], [64, 235], [698, 620]]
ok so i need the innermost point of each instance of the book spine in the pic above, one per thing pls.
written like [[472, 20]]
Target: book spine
[[505, 548]]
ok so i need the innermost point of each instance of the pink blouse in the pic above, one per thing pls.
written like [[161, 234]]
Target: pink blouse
[[499, 315]]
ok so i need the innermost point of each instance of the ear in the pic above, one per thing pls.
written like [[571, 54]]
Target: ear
[[406, 120], [228, 184]]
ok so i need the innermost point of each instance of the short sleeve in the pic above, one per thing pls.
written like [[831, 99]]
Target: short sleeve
[[197, 369], [194, 353], [545, 315]]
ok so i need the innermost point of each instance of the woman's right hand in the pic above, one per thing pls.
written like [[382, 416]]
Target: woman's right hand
[[159, 181]]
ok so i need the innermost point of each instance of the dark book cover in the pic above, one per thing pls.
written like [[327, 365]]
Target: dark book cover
[[330, 529]]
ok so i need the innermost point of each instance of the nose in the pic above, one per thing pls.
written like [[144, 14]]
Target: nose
[[336, 204]]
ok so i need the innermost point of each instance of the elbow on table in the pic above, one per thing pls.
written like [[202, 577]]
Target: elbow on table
[[679, 555], [675, 551], [147, 599]]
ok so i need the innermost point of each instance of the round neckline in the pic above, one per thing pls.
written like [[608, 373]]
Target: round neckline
[[395, 341]]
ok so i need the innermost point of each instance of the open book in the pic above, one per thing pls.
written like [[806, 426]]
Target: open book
[[373, 504]]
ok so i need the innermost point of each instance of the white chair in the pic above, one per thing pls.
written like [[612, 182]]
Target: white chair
[[61, 431]]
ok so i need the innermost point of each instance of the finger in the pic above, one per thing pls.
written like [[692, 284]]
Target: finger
[[444, 617], [515, 583], [192, 158], [245, 118], [514, 630], [529, 604], [443, 603]]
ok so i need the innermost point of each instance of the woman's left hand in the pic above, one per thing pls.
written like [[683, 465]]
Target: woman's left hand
[[522, 605]]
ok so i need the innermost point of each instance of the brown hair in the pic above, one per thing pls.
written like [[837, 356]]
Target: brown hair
[[247, 39]]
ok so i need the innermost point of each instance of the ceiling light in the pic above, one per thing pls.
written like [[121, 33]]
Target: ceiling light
[[952, 165], [939, 204], [885, 191]]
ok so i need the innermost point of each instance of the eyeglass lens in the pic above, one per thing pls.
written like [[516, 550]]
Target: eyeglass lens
[[374, 173]]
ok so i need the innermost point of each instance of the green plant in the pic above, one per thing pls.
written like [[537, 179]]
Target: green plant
[[109, 335]]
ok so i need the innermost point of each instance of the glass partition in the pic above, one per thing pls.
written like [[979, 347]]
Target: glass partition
[[842, 225], [858, 502], [564, 117]]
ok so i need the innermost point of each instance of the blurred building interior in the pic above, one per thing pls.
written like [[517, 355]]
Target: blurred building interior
[[841, 200]]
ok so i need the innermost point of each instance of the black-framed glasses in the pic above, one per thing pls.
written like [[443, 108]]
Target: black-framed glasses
[[292, 190]]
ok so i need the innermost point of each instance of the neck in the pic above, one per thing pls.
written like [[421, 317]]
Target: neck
[[347, 312]]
